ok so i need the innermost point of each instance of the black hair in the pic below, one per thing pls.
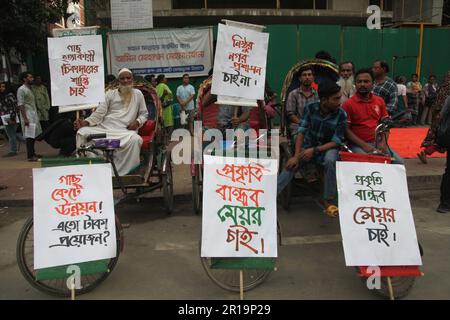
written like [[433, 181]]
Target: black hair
[[185, 75], [160, 78], [365, 70], [327, 88], [415, 74], [23, 75], [347, 62], [303, 69], [384, 65], [324, 55]]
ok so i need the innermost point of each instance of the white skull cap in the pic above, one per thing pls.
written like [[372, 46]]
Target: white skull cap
[[124, 70]]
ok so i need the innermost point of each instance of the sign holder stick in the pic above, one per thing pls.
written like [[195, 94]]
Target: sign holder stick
[[241, 283], [391, 290], [73, 289]]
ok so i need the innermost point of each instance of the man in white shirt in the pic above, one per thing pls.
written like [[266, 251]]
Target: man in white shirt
[[185, 97], [120, 116]]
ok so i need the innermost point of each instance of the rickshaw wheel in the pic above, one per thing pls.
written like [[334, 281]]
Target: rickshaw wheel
[[196, 189], [401, 286], [58, 287], [167, 184], [229, 279], [286, 194]]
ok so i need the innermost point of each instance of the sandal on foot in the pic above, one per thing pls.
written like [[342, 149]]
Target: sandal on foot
[[332, 211]]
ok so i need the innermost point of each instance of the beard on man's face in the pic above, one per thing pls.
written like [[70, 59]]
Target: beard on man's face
[[125, 88], [346, 84]]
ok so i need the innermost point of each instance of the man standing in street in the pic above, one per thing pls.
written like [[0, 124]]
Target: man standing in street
[[165, 95], [364, 112], [413, 92], [31, 126], [299, 98], [385, 87], [42, 101], [185, 97], [346, 80]]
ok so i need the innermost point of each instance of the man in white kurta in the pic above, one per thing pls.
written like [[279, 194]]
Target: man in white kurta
[[120, 116]]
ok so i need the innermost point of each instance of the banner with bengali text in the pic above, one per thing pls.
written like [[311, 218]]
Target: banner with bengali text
[[239, 207], [171, 52], [375, 214], [73, 212]]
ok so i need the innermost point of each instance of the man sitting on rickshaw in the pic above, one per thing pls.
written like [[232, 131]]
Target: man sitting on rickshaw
[[320, 133], [299, 98], [364, 112], [120, 116]]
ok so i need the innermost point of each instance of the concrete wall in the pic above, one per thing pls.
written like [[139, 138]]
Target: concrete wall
[[349, 5], [162, 4]]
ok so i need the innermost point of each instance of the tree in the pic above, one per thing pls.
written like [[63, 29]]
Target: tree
[[24, 25]]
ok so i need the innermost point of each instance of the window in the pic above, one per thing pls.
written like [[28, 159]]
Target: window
[[385, 5], [303, 4], [224, 4]]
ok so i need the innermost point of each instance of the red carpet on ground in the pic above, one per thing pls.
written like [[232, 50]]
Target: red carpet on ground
[[407, 141]]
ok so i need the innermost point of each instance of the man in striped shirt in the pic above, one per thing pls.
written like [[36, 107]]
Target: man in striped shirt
[[385, 87]]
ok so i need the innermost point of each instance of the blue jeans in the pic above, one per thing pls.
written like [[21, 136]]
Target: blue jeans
[[393, 154], [329, 184], [11, 131]]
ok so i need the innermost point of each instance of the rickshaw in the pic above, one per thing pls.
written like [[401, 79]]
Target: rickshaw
[[396, 282], [155, 173], [322, 69], [224, 272]]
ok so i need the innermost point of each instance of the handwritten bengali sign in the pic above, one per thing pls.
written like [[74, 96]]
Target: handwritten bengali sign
[[73, 215], [240, 62], [239, 207], [76, 70], [376, 220], [171, 52]]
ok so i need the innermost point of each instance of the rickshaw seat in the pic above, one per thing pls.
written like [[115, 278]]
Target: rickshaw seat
[[147, 133]]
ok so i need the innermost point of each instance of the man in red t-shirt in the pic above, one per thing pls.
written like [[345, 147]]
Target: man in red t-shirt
[[364, 112]]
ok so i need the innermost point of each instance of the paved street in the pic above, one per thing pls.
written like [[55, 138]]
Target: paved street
[[161, 257]]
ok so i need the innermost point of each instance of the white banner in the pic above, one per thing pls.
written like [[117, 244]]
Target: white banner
[[239, 207], [375, 214], [131, 14], [73, 214], [170, 52], [76, 70], [240, 63]]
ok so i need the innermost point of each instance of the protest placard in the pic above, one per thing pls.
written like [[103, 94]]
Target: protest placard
[[240, 62], [239, 207], [73, 213], [375, 214], [76, 70]]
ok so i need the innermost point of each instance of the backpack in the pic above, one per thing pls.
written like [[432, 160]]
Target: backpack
[[443, 131]]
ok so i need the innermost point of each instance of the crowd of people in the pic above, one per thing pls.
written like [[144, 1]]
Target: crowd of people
[[322, 116]]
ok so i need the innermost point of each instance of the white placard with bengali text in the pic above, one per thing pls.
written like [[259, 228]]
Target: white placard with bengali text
[[239, 207], [76, 70], [240, 62], [73, 212], [375, 215], [131, 14]]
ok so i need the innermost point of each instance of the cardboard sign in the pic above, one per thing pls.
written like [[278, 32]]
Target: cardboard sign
[[73, 215], [375, 214], [239, 207]]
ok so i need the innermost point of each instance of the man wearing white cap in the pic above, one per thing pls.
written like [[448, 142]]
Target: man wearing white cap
[[120, 116]]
